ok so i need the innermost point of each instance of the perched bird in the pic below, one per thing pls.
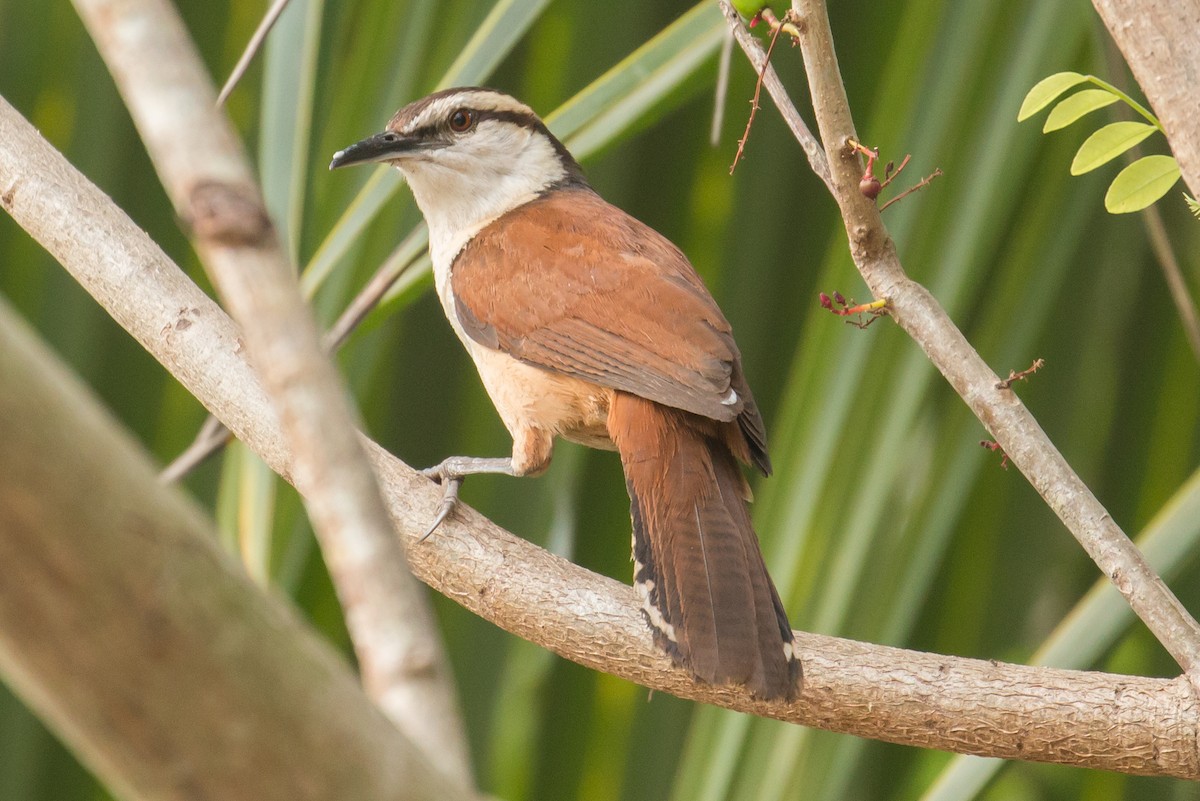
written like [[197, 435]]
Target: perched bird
[[587, 324]]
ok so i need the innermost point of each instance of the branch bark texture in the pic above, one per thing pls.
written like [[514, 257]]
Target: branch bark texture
[[142, 644], [1000, 410], [208, 177], [1160, 40], [1125, 723]]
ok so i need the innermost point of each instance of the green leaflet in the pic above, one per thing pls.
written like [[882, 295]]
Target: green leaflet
[[1076, 106], [1141, 183], [1046, 91], [1107, 143]]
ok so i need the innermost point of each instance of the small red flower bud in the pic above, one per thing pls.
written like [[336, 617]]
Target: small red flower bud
[[870, 187], [825, 302], [837, 297]]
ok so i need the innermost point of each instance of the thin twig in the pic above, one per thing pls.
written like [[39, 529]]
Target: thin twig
[[741, 145], [924, 182], [211, 437], [255, 43], [1020, 375], [398, 262], [890, 174], [1164, 254], [758, 59]]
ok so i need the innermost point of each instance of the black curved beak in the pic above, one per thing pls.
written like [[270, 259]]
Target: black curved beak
[[380, 147]]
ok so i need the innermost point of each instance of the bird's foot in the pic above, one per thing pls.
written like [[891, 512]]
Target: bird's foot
[[450, 474], [450, 484]]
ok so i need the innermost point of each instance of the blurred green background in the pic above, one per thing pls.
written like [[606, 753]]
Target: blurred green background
[[885, 520]]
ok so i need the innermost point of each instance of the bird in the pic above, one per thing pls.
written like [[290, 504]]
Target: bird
[[586, 324]]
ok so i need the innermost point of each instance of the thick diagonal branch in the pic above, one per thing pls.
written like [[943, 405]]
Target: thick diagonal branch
[[209, 179]]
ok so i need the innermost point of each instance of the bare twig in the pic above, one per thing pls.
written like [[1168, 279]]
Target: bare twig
[[758, 59], [741, 145], [1010, 423], [209, 179], [1185, 305], [211, 437], [398, 262], [1021, 375], [921, 184], [1123, 723], [252, 47], [890, 174]]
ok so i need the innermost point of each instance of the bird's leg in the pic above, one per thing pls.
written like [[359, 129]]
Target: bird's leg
[[532, 448], [450, 474]]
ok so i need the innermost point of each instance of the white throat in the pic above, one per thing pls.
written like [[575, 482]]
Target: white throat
[[460, 189]]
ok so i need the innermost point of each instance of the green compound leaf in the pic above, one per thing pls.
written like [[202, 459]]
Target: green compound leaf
[[1046, 90], [1077, 105], [1141, 183], [1107, 143]]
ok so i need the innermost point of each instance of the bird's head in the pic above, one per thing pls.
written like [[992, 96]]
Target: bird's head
[[469, 155]]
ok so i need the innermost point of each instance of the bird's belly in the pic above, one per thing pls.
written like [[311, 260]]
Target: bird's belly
[[531, 397]]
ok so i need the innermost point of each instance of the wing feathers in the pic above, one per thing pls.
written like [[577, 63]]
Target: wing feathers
[[628, 313]]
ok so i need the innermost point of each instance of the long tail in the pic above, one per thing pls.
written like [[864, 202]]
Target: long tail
[[697, 564]]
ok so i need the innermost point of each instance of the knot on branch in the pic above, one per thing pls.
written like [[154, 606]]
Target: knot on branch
[[6, 197], [227, 214]]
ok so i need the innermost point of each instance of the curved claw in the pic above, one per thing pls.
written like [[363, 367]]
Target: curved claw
[[450, 475], [449, 498]]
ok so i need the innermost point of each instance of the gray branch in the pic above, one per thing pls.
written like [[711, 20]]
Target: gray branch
[[1161, 41], [209, 179]]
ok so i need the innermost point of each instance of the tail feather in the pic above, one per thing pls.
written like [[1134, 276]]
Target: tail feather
[[706, 592]]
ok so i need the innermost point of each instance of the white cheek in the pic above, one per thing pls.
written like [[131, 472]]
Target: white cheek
[[463, 188]]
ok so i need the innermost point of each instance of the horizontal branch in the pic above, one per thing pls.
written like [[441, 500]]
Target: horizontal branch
[[1119, 723]]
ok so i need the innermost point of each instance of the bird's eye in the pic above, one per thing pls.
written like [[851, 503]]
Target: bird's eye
[[462, 120]]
